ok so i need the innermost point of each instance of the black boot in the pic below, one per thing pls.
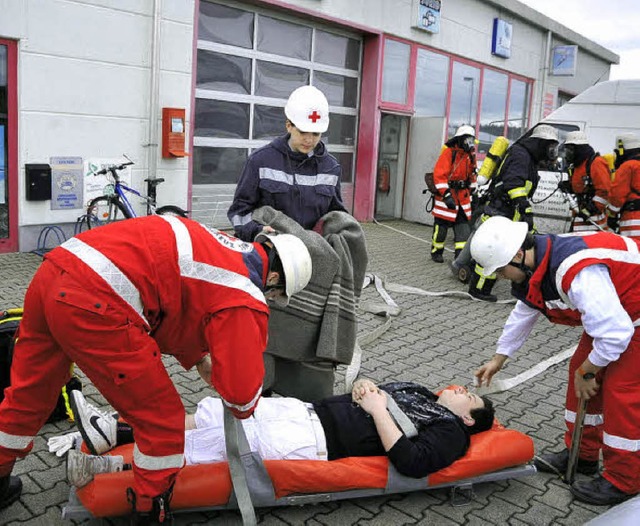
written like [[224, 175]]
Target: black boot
[[482, 292], [160, 512], [10, 490], [557, 463], [436, 255]]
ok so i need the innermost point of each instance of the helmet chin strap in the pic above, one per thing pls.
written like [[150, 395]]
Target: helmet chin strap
[[528, 271]]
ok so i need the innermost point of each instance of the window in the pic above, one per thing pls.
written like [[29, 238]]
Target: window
[[465, 85], [518, 106], [395, 72], [432, 75], [216, 71], [494, 106], [225, 25], [242, 85]]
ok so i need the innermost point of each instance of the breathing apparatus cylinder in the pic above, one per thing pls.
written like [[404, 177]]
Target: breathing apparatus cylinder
[[492, 160], [611, 161]]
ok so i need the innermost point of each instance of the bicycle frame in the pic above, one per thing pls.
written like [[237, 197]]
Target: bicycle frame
[[120, 188]]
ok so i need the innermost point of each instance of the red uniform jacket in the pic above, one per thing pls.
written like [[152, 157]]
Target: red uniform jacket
[[197, 290], [449, 173]]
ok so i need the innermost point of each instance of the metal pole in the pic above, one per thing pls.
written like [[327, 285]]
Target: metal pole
[[575, 441]]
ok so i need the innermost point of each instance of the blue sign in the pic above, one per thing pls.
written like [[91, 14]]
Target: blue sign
[[3, 184], [429, 15], [563, 60], [501, 40]]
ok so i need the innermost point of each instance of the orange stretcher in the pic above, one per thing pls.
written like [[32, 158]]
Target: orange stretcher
[[496, 454]]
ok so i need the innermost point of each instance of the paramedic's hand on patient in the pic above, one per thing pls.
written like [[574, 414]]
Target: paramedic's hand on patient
[[204, 369], [485, 373]]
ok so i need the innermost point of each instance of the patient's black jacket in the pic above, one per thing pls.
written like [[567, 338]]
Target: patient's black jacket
[[351, 432]]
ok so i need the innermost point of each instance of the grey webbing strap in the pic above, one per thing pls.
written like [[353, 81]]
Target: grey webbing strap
[[236, 444], [405, 425]]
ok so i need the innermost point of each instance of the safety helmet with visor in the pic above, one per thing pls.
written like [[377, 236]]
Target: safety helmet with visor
[[576, 141], [544, 132], [295, 262], [308, 110], [465, 135], [496, 242]]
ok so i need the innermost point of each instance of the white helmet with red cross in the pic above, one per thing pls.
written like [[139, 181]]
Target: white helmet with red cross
[[308, 110]]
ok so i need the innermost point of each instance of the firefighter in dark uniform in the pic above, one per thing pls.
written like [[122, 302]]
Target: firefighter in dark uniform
[[509, 196]]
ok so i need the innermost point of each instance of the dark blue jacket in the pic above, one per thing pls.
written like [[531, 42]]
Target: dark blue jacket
[[303, 187]]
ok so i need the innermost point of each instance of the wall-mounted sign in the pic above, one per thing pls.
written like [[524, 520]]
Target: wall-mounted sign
[[66, 183], [548, 104], [501, 40], [428, 15], [563, 60]]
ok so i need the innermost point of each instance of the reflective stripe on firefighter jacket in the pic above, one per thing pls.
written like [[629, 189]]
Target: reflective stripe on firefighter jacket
[[517, 179], [176, 274], [454, 167]]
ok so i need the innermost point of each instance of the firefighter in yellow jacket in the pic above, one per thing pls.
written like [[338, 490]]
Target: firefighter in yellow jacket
[[454, 176]]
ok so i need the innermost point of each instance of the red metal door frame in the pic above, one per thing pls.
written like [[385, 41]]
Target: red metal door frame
[[10, 244]]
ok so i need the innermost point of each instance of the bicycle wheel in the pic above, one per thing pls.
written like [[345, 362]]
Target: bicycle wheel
[[104, 210], [171, 210]]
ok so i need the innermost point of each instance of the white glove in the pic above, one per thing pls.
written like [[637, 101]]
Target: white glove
[[60, 444]]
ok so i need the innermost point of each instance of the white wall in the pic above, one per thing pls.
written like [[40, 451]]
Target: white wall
[[84, 84]]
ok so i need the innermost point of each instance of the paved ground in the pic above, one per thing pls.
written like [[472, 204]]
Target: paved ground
[[434, 340]]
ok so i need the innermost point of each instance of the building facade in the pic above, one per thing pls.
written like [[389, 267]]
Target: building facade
[[84, 82]]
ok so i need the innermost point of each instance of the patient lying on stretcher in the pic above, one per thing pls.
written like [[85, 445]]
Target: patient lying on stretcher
[[427, 434]]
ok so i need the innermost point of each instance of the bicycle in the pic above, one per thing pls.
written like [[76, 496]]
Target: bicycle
[[114, 205]]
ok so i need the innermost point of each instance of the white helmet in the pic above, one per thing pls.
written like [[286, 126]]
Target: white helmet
[[576, 137], [296, 262], [465, 129], [545, 132], [496, 242], [629, 141], [308, 110]]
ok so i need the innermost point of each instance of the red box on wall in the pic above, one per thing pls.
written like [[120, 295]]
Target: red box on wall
[[173, 133]]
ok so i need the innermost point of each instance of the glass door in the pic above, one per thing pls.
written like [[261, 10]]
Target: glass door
[[391, 165], [8, 192]]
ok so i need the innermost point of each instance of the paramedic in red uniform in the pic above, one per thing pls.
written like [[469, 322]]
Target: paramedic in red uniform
[[591, 280], [113, 300], [454, 176], [624, 198]]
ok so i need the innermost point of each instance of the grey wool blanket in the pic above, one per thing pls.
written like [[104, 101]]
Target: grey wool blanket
[[320, 322]]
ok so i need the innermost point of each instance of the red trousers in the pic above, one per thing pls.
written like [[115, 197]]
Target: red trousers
[[612, 421], [65, 323]]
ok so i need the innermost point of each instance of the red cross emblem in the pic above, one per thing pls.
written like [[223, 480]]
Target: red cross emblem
[[315, 116]]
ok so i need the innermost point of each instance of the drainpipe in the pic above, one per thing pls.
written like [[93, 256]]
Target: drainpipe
[[545, 72], [154, 81]]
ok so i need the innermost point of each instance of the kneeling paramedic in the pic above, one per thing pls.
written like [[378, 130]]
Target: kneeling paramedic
[[594, 281], [113, 300]]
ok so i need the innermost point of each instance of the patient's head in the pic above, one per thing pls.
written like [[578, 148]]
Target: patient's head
[[476, 412]]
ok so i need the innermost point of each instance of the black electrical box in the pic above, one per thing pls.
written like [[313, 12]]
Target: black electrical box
[[38, 182]]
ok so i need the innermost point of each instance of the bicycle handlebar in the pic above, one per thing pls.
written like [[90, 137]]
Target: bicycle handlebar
[[113, 168]]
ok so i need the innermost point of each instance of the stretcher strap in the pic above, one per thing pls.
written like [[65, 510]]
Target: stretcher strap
[[236, 443], [405, 425]]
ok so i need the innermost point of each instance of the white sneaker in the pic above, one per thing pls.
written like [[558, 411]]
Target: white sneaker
[[98, 428], [81, 467]]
